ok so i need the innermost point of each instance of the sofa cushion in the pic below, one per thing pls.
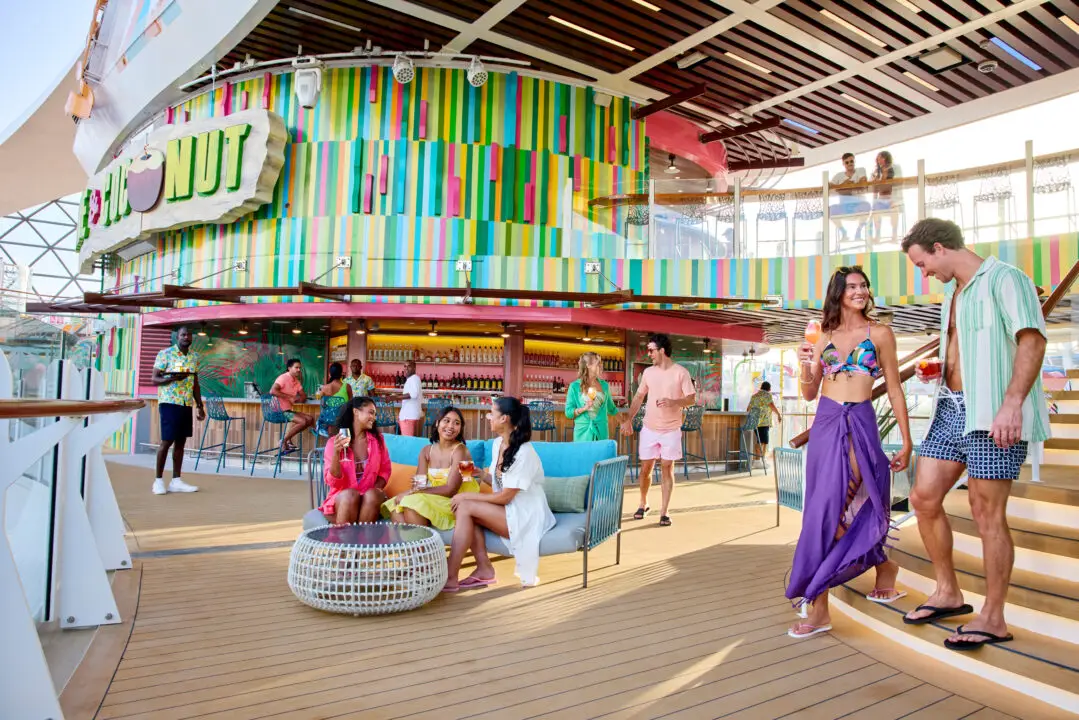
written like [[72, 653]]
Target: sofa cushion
[[566, 536], [566, 494], [565, 459], [406, 450], [313, 519]]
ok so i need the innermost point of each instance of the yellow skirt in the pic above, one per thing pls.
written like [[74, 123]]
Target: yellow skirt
[[436, 508]]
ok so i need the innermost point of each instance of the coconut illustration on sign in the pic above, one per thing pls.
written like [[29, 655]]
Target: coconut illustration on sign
[[145, 178]]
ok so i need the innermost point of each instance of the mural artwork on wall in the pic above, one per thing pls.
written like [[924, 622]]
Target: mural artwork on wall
[[230, 361]]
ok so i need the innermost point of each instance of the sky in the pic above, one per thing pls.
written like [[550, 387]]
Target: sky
[[39, 43]]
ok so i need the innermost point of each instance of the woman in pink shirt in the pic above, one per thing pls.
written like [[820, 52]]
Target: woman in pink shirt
[[357, 466]]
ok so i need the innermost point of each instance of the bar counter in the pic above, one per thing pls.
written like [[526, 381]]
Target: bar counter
[[718, 427]]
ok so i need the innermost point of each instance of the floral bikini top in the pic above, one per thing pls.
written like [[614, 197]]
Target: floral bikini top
[[861, 361]]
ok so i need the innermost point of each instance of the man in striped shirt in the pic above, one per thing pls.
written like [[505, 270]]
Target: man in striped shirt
[[990, 406]]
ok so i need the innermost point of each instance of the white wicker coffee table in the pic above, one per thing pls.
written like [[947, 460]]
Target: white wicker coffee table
[[367, 569]]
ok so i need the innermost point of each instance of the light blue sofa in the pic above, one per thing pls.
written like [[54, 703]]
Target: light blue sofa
[[572, 532]]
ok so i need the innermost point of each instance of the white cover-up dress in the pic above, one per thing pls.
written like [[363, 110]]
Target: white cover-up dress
[[528, 516]]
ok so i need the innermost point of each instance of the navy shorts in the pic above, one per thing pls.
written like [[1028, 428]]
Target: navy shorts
[[176, 421], [762, 434], [984, 460]]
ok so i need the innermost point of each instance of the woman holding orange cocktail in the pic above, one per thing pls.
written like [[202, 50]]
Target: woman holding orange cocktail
[[444, 469], [588, 401], [848, 477]]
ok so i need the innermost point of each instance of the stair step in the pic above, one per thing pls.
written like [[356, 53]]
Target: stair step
[[1059, 485], [1072, 373], [1029, 534], [1064, 419], [1062, 444], [1064, 394], [1035, 591], [1034, 658]]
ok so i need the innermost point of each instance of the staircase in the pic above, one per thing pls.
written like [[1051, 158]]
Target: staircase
[[1043, 601], [1063, 448]]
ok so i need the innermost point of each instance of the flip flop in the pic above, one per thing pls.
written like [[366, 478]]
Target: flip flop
[[665, 520], [937, 613], [813, 630], [641, 512], [885, 600], [990, 639], [475, 582], [451, 590]]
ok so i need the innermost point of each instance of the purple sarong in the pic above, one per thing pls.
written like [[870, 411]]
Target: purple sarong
[[820, 561]]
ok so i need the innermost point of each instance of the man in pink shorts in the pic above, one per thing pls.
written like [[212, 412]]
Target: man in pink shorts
[[669, 388]]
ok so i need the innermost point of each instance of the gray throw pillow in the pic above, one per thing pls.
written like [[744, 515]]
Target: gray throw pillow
[[566, 494]]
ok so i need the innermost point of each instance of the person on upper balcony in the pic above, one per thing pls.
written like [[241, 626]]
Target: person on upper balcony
[[884, 169], [850, 201]]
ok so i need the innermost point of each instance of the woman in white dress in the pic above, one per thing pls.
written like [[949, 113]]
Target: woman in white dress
[[517, 510]]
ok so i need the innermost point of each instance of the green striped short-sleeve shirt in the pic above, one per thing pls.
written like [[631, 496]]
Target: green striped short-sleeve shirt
[[996, 304]]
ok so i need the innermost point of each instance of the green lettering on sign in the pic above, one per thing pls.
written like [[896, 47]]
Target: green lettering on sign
[[106, 200], [208, 162], [119, 207], [234, 138], [84, 216], [179, 168]]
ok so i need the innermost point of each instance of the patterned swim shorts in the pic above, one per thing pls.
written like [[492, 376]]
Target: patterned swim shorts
[[984, 460]]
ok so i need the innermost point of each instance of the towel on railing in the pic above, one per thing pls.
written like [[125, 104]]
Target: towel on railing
[[835, 500]]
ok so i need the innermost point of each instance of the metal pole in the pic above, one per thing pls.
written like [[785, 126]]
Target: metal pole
[[1030, 187], [826, 217], [737, 217], [650, 248], [921, 190]]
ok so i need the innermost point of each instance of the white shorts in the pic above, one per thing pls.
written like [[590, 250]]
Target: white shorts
[[661, 445]]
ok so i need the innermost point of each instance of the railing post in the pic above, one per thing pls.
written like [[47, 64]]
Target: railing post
[[737, 217], [650, 248], [921, 190], [1030, 187], [826, 217]]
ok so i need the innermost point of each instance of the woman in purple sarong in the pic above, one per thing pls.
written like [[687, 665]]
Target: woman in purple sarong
[[848, 477]]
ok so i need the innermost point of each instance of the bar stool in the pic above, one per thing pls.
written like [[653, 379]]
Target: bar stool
[[746, 440], [216, 412], [693, 421], [272, 414], [385, 417], [541, 413], [328, 413], [435, 406]]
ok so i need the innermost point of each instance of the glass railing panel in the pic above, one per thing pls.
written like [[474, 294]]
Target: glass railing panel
[[34, 351], [873, 216], [988, 202], [1056, 209]]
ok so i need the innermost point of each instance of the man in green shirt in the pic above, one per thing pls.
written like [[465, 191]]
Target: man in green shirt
[[991, 404]]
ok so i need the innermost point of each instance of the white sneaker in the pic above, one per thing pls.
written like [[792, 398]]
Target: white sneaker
[[178, 485], [159, 487]]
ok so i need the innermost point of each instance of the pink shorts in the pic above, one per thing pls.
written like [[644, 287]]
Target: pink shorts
[[410, 428], [661, 445]]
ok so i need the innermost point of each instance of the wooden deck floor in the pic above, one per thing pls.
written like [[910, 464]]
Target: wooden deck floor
[[691, 625]]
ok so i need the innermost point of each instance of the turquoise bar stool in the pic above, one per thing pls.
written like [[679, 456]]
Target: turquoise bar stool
[[693, 421], [216, 412], [541, 413], [329, 410], [272, 414]]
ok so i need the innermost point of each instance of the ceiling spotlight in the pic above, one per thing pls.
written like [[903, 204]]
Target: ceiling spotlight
[[671, 168], [707, 347], [505, 330], [243, 329], [988, 67], [476, 73], [362, 329], [297, 330], [432, 332], [307, 81], [403, 70], [586, 338], [202, 330]]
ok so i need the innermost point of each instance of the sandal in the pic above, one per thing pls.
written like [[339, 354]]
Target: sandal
[[665, 520], [474, 582], [989, 639], [884, 596], [937, 613], [641, 512], [804, 630]]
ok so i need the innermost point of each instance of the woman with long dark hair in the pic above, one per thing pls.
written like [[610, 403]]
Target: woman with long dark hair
[[516, 510], [356, 466], [848, 477], [883, 170], [441, 463], [335, 383]]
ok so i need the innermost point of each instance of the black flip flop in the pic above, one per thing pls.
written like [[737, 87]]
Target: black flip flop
[[641, 512], [665, 520], [990, 639], [937, 613]]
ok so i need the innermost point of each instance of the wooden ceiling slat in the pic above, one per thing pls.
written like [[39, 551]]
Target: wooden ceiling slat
[[647, 34], [539, 31], [755, 45], [817, 64], [482, 47], [1022, 36], [883, 98], [808, 20], [1048, 26], [720, 87], [469, 10], [875, 20]]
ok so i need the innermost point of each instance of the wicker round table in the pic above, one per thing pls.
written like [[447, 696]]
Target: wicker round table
[[367, 569]]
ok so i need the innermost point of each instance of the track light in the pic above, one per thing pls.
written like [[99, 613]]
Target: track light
[[296, 329], [505, 329], [707, 347], [671, 168], [433, 332], [202, 330], [307, 81], [403, 70], [586, 338], [243, 329], [362, 329], [476, 73]]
